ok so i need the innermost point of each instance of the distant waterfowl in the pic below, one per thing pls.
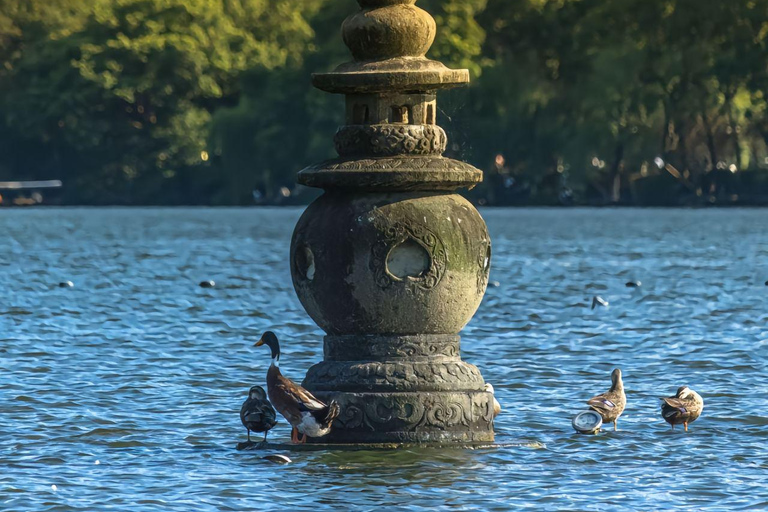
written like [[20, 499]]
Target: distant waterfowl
[[496, 405], [306, 414], [685, 407], [257, 414], [493, 284], [599, 301], [207, 284], [633, 284], [611, 404], [277, 459], [66, 284]]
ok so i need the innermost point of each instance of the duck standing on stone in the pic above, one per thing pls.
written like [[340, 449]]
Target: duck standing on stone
[[610, 405], [257, 414], [306, 414], [685, 407]]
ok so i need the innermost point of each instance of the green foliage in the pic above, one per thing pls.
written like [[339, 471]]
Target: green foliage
[[121, 96], [596, 90], [460, 37], [166, 101]]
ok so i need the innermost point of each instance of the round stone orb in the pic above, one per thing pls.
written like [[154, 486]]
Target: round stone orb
[[398, 263], [389, 32]]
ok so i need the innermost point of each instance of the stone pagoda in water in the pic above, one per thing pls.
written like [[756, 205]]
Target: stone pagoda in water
[[390, 261]]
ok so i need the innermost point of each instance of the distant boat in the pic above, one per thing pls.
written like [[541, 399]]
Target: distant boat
[[18, 191]]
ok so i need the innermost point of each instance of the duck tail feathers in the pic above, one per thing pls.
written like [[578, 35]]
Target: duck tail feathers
[[333, 413]]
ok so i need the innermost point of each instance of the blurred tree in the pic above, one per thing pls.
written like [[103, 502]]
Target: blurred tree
[[159, 101], [596, 90], [124, 101]]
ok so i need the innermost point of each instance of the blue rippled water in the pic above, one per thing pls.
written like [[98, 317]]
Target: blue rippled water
[[123, 392]]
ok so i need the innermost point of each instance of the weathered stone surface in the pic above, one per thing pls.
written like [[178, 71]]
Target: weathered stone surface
[[389, 31], [394, 376], [394, 75], [411, 417], [390, 140], [377, 347], [353, 290], [399, 173], [389, 261]]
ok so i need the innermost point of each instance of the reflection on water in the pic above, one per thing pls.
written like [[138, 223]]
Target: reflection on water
[[125, 389]]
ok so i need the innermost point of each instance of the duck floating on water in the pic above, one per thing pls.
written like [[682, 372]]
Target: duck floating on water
[[610, 405], [599, 301], [685, 407], [257, 414], [306, 414]]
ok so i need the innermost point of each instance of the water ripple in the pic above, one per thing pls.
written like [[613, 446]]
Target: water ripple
[[123, 391]]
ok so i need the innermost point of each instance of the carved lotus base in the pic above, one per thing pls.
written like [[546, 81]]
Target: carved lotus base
[[419, 417], [402, 389]]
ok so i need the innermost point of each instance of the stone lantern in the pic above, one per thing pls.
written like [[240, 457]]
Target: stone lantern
[[390, 261]]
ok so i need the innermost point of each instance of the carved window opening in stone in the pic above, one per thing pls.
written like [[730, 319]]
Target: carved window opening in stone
[[400, 114], [305, 263], [360, 114], [430, 114], [409, 260]]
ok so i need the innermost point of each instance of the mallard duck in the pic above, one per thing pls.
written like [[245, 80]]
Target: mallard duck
[[257, 414], [611, 404], [685, 407], [306, 414], [496, 405]]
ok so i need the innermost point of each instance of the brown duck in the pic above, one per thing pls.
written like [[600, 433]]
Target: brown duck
[[257, 414], [685, 407], [610, 405], [306, 414]]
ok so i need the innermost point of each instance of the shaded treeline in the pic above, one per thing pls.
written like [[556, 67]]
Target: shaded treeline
[[205, 101]]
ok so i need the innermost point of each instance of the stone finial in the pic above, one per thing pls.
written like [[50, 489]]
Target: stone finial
[[390, 139], [387, 29]]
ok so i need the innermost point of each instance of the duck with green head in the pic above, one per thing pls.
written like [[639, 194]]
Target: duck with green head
[[306, 414]]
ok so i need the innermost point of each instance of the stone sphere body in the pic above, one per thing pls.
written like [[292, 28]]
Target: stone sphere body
[[390, 263]]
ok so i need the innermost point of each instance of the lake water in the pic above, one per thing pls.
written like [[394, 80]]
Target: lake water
[[123, 392]]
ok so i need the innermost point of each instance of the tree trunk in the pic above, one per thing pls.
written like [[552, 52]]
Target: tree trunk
[[616, 167], [710, 141], [734, 131]]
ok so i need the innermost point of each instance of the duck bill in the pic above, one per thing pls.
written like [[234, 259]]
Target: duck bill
[[259, 343]]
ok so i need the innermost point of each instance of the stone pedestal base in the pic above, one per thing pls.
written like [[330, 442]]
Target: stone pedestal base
[[402, 389]]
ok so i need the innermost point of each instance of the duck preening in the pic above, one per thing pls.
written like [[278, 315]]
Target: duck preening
[[306, 414], [610, 405], [488, 388], [685, 407], [257, 414]]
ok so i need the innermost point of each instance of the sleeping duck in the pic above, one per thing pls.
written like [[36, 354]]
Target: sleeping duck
[[610, 405], [257, 414], [306, 414], [685, 407]]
